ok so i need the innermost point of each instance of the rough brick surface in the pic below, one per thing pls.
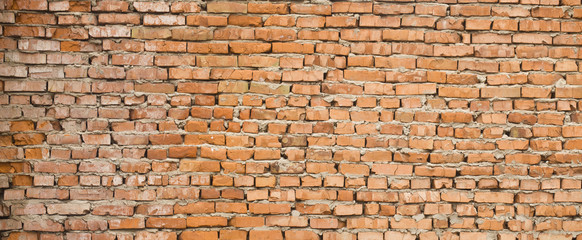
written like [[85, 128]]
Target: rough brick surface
[[315, 120]]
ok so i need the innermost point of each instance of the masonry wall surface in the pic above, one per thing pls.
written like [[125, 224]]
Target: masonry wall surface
[[316, 120]]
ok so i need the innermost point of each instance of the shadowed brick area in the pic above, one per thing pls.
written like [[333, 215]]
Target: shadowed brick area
[[298, 120]]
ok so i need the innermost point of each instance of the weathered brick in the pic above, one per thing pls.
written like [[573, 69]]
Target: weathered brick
[[343, 119]]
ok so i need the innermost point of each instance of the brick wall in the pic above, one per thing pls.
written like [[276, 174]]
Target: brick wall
[[316, 120]]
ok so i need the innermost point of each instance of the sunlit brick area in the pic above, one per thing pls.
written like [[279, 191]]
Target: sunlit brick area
[[298, 120]]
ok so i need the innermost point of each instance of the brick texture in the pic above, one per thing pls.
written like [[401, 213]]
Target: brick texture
[[315, 120]]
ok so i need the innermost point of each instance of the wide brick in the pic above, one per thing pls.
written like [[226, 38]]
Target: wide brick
[[13, 71], [25, 86], [310, 9], [161, 20], [151, 6], [107, 32], [127, 223], [497, 197], [68, 209], [226, 7]]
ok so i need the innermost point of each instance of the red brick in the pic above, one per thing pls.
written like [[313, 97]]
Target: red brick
[[310, 9], [269, 8], [107, 32], [377, 21], [265, 234], [351, 7], [151, 7], [402, 35], [340, 21], [270, 35], [28, 5], [206, 221], [226, 7], [127, 223], [277, 20], [462, 10], [384, 9]]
